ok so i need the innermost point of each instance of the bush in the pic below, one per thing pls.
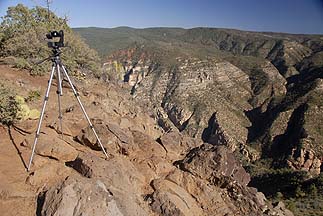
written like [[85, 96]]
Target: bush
[[291, 205], [21, 63], [22, 35], [8, 105], [313, 190], [33, 96], [299, 192], [24, 111]]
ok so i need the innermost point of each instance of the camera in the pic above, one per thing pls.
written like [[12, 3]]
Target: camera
[[55, 34]]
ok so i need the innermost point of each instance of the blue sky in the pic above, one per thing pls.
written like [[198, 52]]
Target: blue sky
[[294, 16]]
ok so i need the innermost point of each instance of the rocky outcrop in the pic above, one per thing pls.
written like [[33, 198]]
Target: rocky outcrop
[[299, 142], [205, 180], [286, 55], [177, 145], [209, 182], [124, 183], [307, 161], [171, 199], [79, 196], [56, 149], [208, 161], [274, 86]]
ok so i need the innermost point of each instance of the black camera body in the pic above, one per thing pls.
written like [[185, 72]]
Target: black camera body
[[55, 34]]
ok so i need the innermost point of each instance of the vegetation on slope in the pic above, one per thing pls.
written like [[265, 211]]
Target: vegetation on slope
[[302, 195]]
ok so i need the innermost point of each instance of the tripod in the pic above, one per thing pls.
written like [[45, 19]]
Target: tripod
[[60, 70]]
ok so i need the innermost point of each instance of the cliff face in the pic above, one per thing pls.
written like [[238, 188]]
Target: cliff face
[[256, 93], [188, 94]]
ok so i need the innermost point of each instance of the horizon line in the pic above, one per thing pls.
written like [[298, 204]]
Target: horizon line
[[197, 27]]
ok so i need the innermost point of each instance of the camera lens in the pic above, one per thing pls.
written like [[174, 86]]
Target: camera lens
[[55, 34]]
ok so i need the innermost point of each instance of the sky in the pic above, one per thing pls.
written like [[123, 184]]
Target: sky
[[292, 16]]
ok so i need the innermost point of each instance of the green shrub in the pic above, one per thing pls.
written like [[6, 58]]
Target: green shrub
[[279, 196], [291, 205], [33, 95], [313, 190], [8, 105], [299, 192], [21, 63]]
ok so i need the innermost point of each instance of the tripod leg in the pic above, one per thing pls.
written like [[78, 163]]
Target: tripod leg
[[83, 110], [41, 117], [59, 94]]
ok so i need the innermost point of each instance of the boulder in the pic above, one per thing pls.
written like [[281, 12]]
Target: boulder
[[53, 147], [67, 125], [149, 157], [124, 136], [117, 171], [27, 127], [121, 178], [170, 199], [177, 145], [147, 147], [79, 196], [113, 138], [48, 173], [208, 161], [87, 137]]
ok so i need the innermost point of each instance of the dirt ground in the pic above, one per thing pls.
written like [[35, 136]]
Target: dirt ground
[[18, 188]]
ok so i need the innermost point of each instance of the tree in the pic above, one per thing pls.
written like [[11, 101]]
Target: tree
[[22, 35]]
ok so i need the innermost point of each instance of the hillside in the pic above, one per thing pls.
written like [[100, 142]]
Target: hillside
[[148, 172], [259, 94], [106, 40]]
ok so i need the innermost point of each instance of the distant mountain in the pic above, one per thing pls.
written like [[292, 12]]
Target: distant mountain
[[107, 40]]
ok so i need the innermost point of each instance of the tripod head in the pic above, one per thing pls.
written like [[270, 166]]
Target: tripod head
[[55, 44]]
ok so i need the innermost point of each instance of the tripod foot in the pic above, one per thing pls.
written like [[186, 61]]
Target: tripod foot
[[110, 156]]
